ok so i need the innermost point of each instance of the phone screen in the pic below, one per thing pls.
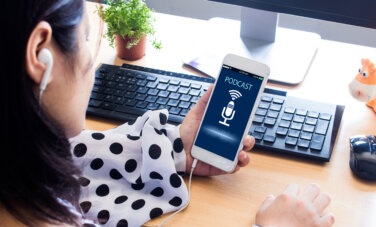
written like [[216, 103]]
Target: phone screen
[[228, 112]]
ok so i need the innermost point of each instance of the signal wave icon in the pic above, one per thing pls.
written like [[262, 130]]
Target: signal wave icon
[[235, 94]]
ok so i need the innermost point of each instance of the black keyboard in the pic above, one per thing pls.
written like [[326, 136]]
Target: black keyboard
[[282, 123]]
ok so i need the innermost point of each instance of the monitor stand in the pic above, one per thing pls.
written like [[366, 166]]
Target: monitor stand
[[289, 53]]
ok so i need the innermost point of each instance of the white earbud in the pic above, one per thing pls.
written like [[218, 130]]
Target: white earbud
[[45, 56]]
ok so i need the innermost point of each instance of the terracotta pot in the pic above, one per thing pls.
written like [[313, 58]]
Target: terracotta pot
[[134, 53]]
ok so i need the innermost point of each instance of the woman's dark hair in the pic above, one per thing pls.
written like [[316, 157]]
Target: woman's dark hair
[[36, 165]]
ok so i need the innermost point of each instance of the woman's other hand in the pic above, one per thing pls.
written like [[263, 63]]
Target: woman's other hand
[[295, 209], [188, 131]]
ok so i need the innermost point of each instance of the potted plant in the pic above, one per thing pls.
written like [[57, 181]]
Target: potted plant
[[129, 22]]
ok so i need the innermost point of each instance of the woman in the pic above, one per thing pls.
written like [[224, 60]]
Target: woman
[[43, 173]]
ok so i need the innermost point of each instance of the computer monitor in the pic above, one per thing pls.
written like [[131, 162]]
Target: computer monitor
[[289, 52]]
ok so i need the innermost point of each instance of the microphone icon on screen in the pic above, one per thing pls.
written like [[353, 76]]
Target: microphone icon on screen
[[228, 111]]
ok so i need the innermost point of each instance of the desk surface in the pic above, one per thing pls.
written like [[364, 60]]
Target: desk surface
[[233, 200]]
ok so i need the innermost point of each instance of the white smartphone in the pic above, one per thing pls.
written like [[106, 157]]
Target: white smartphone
[[230, 111]]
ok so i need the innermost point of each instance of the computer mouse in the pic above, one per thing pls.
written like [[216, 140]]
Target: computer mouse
[[363, 156]]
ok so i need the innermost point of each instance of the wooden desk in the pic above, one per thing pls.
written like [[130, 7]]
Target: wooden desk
[[233, 200]]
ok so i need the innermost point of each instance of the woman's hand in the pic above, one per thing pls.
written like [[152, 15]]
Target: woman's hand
[[295, 209], [188, 131]]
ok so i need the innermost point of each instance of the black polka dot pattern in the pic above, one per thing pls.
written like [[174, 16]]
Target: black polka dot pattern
[[162, 118], [157, 192], [133, 137], [138, 204], [155, 175], [159, 132], [122, 223], [155, 151], [139, 180], [114, 174], [131, 122], [96, 164], [116, 148], [138, 187], [97, 136], [121, 199], [79, 150], [175, 180], [178, 145], [102, 190], [103, 216], [176, 201], [164, 131], [85, 206], [156, 212], [130, 165], [83, 181]]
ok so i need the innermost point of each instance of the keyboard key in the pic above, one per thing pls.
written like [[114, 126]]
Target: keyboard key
[[264, 105], [270, 121], [108, 106], [121, 86], [281, 131], [95, 103], [290, 110], [184, 112], [261, 112], [162, 86], [96, 96], [174, 82], [163, 107], [151, 98], [266, 98], [278, 101], [130, 110], [306, 135], [317, 142], [260, 129], [163, 80], [319, 138], [153, 92], [195, 99], [141, 76], [311, 121], [110, 84], [276, 107], [141, 83], [299, 119], [287, 116], [185, 98], [258, 119], [196, 86], [325, 116], [258, 136], [308, 128], [140, 97], [194, 92], [151, 78], [185, 84], [141, 104], [269, 138], [321, 127], [184, 104], [284, 124], [172, 88], [131, 88], [130, 102], [142, 90], [108, 91], [301, 112], [296, 126], [313, 114], [192, 105], [173, 102], [273, 114], [291, 141], [152, 106], [183, 90], [162, 100], [163, 94], [303, 143], [108, 98], [175, 110], [151, 84], [294, 133], [119, 100], [174, 96]]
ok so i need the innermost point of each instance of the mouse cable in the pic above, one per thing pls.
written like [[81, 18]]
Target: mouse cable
[[189, 194]]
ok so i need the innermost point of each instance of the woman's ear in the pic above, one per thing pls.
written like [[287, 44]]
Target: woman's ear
[[40, 37]]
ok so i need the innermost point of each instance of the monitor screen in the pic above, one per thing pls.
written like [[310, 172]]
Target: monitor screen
[[353, 12]]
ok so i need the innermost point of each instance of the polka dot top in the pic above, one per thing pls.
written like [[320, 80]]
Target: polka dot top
[[131, 173]]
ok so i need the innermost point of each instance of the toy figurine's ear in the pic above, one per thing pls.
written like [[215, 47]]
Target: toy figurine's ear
[[371, 68], [363, 62]]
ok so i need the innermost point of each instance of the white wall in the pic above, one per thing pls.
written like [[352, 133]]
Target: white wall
[[204, 9]]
